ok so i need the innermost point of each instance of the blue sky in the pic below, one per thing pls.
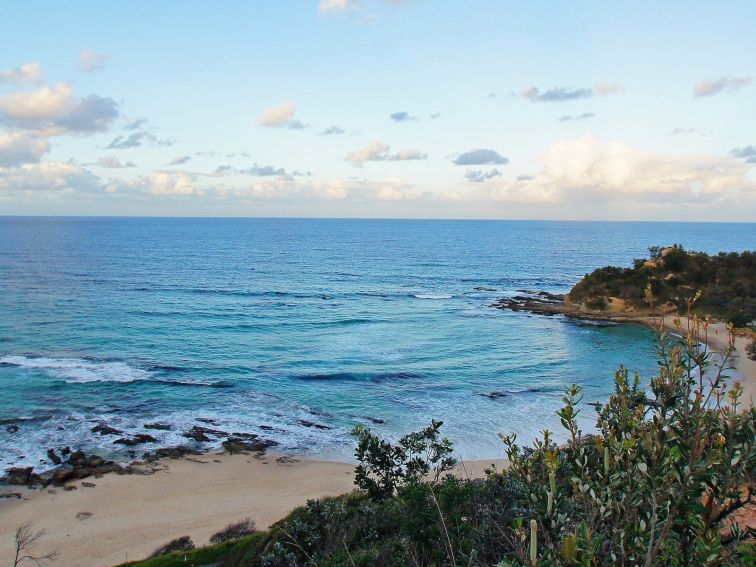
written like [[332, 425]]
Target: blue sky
[[380, 108]]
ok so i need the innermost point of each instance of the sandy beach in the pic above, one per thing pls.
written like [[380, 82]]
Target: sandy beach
[[125, 517]]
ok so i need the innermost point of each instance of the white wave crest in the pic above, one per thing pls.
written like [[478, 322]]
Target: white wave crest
[[430, 296], [79, 370]]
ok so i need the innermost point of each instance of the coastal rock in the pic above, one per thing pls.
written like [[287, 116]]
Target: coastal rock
[[95, 462], [494, 395], [308, 423], [376, 420], [77, 459], [62, 474], [201, 434], [78, 465], [19, 476], [158, 425], [12, 428], [254, 445], [104, 429], [170, 453], [54, 457], [138, 439], [16, 495]]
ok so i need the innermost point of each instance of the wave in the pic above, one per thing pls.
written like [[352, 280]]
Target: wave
[[333, 377], [431, 296], [79, 370], [350, 376], [24, 419], [218, 384]]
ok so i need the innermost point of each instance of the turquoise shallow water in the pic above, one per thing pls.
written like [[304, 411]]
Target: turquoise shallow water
[[262, 324]]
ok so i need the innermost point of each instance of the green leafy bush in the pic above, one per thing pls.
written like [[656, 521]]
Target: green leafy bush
[[385, 467], [657, 482], [234, 531], [183, 543]]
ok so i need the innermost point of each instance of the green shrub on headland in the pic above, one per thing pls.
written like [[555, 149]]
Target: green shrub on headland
[[727, 283], [661, 482]]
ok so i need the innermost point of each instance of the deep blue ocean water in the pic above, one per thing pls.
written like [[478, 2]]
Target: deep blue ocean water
[[265, 323]]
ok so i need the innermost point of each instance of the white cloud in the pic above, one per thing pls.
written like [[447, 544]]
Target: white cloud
[[112, 162], [180, 160], [27, 74], [91, 61], [604, 89], [378, 151], [586, 163], [161, 183], [47, 177], [17, 147], [716, 86], [331, 190], [57, 107], [43, 104], [277, 116], [562, 94], [288, 189], [408, 154], [590, 168], [374, 151], [339, 6], [393, 189]]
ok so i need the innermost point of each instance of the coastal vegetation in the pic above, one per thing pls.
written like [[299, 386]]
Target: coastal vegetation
[[726, 283], [662, 481]]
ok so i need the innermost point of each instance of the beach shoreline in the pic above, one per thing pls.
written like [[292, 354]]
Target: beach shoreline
[[109, 520]]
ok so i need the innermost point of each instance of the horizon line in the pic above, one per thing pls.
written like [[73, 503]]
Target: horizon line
[[446, 219]]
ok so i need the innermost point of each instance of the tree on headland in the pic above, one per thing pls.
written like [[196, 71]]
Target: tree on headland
[[726, 282]]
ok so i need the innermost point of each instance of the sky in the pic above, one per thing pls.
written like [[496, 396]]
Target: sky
[[577, 110]]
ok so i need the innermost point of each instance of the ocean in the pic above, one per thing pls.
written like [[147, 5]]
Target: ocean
[[297, 329]]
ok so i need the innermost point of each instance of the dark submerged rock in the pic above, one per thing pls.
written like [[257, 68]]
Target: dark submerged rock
[[201, 434], [158, 425], [308, 423], [138, 439], [251, 443], [104, 429], [56, 460], [494, 395]]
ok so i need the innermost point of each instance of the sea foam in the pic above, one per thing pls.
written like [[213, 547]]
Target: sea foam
[[78, 370]]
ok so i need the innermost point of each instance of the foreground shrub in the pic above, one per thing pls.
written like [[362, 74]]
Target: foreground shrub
[[385, 467], [657, 483], [183, 543], [234, 531]]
